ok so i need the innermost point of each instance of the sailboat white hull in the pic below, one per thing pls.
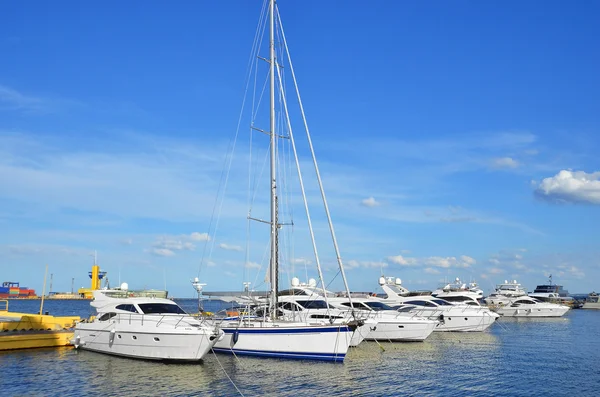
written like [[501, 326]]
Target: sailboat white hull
[[136, 341], [286, 340]]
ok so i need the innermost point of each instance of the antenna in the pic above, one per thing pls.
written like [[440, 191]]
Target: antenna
[[198, 286]]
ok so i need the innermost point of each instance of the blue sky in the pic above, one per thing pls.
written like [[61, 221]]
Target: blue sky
[[454, 138]]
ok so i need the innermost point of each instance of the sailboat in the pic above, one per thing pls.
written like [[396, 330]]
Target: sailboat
[[270, 335]]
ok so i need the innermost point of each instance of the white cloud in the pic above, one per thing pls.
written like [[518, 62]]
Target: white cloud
[[575, 271], [253, 265], [196, 236], [167, 245], [354, 264], [431, 270], [495, 270], [302, 261], [433, 261], [16, 100], [162, 252], [402, 261], [571, 187], [505, 163], [449, 261], [370, 202], [126, 241], [467, 261], [230, 247]]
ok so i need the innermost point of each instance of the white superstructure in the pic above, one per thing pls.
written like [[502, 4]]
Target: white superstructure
[[505, 292], [145, 328], [460, 292], [452, 317]]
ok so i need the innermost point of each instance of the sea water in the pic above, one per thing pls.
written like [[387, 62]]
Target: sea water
[[514, 357]]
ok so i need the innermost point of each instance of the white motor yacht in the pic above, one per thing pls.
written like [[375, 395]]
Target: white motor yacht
[[591, 302], [145, 328], [452, 317], [391, 325], [553, 293], [381, 321], [525, 306]]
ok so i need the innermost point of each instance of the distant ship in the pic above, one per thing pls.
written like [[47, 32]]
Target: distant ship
[[12, 290], [552, 293]]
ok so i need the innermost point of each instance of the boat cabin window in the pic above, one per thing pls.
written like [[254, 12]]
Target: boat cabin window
[[294, 291], [107, 316], [526, 302], [128, 308], [357, 305], [441, 302], [378, 306], [459, 299], [313, 304], [289, 306], [421, 303], [325, 316], [404, 309], [160, 308]]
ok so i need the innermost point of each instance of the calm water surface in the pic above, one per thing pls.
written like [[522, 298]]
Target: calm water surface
[[520, 357]]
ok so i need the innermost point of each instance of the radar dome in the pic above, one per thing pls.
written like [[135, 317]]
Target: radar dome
[[398, 281], [295, 282], [381, 280], [312, 282], [124, 286]]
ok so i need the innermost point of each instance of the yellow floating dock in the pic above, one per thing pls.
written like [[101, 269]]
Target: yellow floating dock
[[28, 331]]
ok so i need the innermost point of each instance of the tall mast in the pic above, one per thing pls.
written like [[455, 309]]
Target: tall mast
[[274, 225]]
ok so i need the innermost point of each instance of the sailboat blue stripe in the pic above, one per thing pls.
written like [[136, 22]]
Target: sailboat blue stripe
[[307, 330], [293, 355]]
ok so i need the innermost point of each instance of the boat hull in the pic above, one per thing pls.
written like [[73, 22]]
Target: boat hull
[[507, 311], [591, 305], [144, 342], [468, 323], [460, 319], [401, 331], [301, 342]]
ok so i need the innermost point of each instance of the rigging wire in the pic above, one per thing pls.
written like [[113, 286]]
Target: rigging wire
[[312, 151], [232, 145]]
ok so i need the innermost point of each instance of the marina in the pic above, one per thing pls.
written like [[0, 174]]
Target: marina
[[264, 257], [472, 360]]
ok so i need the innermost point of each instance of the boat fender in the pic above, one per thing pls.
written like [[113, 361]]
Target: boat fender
[[76, 342], [235, 337], [111, 336]]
